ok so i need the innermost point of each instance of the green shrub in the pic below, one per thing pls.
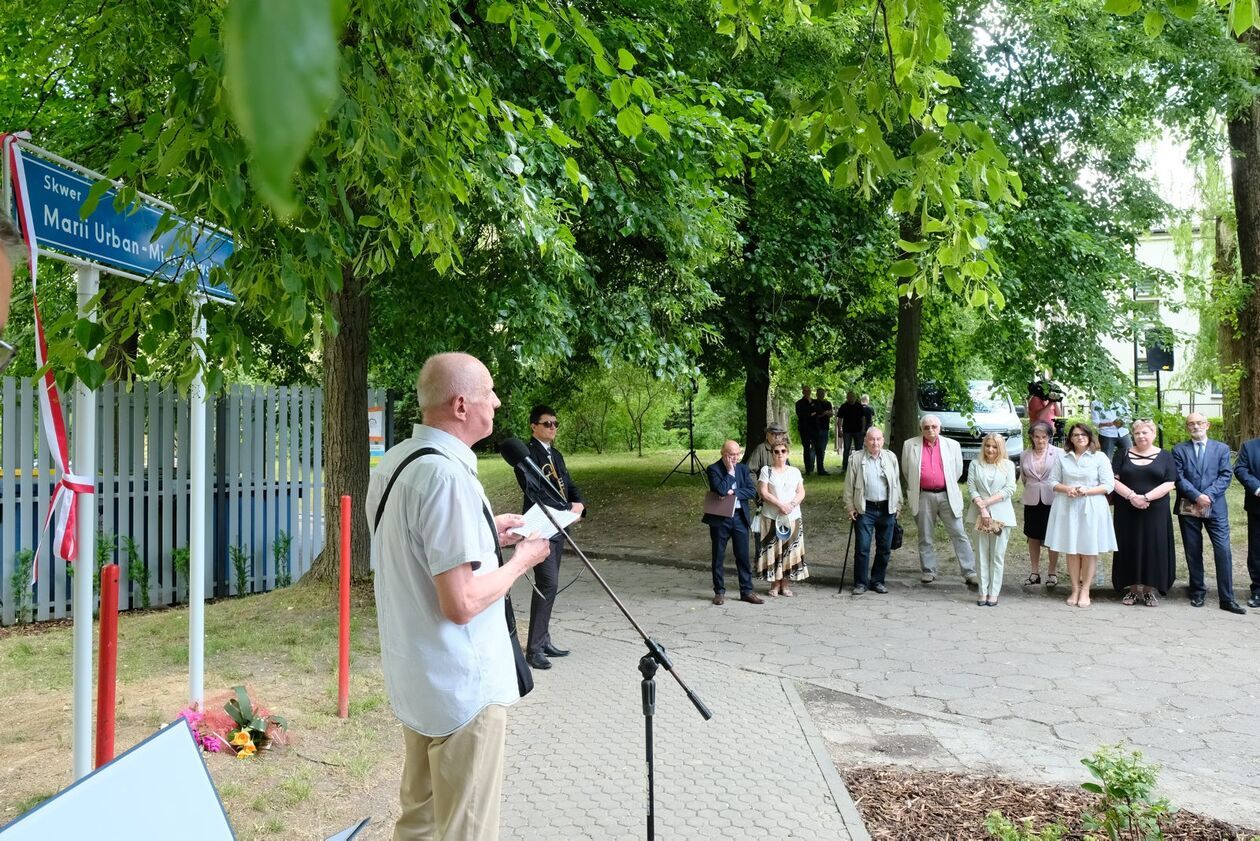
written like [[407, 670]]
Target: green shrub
[[1003, 828], [240, 564], [280, 553], [179, 559], [137, 574], [20, 585], [1126, 785]]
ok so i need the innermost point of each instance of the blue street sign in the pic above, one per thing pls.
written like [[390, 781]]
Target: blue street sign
[[123, 239]]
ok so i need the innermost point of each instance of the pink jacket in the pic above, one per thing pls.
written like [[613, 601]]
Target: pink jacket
[[1038, 486]]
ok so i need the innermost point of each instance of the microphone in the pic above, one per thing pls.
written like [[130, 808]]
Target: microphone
[[515, 453]]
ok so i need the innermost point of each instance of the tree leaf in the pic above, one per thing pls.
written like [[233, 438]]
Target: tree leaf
[[658, 124], [1242, 15], [93, 198], [281, 75], [588, 103], [630, 121], [1153, 23], [904, 268], [619, 92], [90, 372], [1122, 7], [625, 60], [499, 12]]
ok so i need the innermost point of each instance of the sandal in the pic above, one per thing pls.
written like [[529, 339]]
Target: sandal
[[1052, 581], [1130, 598], [1033, 578], [1149, 599], [784, 591]]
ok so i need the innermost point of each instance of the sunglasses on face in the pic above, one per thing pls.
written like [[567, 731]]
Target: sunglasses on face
[[550, 424], [779, 450]]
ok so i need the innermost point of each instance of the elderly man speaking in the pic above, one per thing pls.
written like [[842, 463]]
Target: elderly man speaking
[[932, 466]]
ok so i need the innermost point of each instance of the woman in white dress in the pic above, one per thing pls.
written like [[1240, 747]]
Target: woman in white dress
[[1080, 522], [782, 553], [991, 484]]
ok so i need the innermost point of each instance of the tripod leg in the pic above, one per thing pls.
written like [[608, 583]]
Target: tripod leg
[[647, 667]]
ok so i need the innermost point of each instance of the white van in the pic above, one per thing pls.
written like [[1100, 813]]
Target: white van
[[989, 412]]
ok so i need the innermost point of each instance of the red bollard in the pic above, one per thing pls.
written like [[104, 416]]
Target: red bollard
[[343, 660], [107, 665]]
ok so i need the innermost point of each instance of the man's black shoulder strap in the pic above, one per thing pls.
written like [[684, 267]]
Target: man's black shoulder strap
[[380, 507], [430, 451]]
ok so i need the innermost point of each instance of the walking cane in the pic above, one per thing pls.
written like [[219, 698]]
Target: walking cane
[[845, 569]]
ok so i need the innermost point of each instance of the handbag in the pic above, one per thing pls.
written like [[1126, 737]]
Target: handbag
[[719, 505], [524, 675], [899, 535]]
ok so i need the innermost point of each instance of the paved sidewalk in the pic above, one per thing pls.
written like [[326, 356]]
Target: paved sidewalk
[[920, 676], [576, 756]]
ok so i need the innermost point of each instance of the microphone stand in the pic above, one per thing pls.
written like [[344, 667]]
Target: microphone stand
[[648, 664]]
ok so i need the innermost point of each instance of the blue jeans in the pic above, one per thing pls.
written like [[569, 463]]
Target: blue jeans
[[878, 522]]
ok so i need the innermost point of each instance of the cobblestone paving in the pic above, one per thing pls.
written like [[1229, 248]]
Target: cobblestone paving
[[920, 676], [576, 754]]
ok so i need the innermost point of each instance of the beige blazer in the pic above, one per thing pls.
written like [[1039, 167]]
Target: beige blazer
[[984, 482], [855, 481], [951, 460]]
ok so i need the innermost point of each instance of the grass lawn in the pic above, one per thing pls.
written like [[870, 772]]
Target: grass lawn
[[283, 645]]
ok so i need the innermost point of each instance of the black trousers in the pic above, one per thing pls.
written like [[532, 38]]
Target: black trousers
[[546, 581], [733, 530], [1253, 550]]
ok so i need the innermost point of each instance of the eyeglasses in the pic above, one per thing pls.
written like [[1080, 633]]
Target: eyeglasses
[[549, 424], [779, 450]]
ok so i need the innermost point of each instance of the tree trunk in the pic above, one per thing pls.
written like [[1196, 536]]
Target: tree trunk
[[905, 405], [1244, 142], [346, 430], [1229, 350], [756, 396]]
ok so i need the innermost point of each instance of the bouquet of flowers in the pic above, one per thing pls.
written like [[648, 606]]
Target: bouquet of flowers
[[242, 728]]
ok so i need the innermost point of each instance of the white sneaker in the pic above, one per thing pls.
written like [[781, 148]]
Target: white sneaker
[[927, 577]]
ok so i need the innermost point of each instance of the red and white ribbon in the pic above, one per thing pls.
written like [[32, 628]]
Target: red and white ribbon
[[61, 511]]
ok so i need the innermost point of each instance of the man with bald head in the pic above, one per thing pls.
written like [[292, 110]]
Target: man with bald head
[[872, 495], [931, 466], [440, 584], [1203, 476], [729, 478]]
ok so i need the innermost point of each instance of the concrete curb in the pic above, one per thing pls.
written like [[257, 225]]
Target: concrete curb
[[839, 792]]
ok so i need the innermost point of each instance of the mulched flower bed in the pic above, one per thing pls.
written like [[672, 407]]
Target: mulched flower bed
[[899, 804]]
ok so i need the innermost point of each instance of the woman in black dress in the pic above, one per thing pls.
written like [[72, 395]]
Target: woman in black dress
[[1144, 561]]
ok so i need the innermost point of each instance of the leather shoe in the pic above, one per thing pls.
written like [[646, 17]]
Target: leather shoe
[[551, 651], [1254, 601], [538, 661], [859, 589], [751, 598], [1233, 607], [879, 588], [719, 598], [1196, 601]]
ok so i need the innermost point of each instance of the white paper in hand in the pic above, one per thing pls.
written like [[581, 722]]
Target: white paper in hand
[[536, 521]]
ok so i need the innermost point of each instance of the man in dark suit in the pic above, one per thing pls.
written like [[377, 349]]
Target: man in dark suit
[[543, 425], [805, 428], [1203, 476], [1247, 469], [728, 477]]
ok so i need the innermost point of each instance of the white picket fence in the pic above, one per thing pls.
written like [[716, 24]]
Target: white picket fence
[[265, 466]]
